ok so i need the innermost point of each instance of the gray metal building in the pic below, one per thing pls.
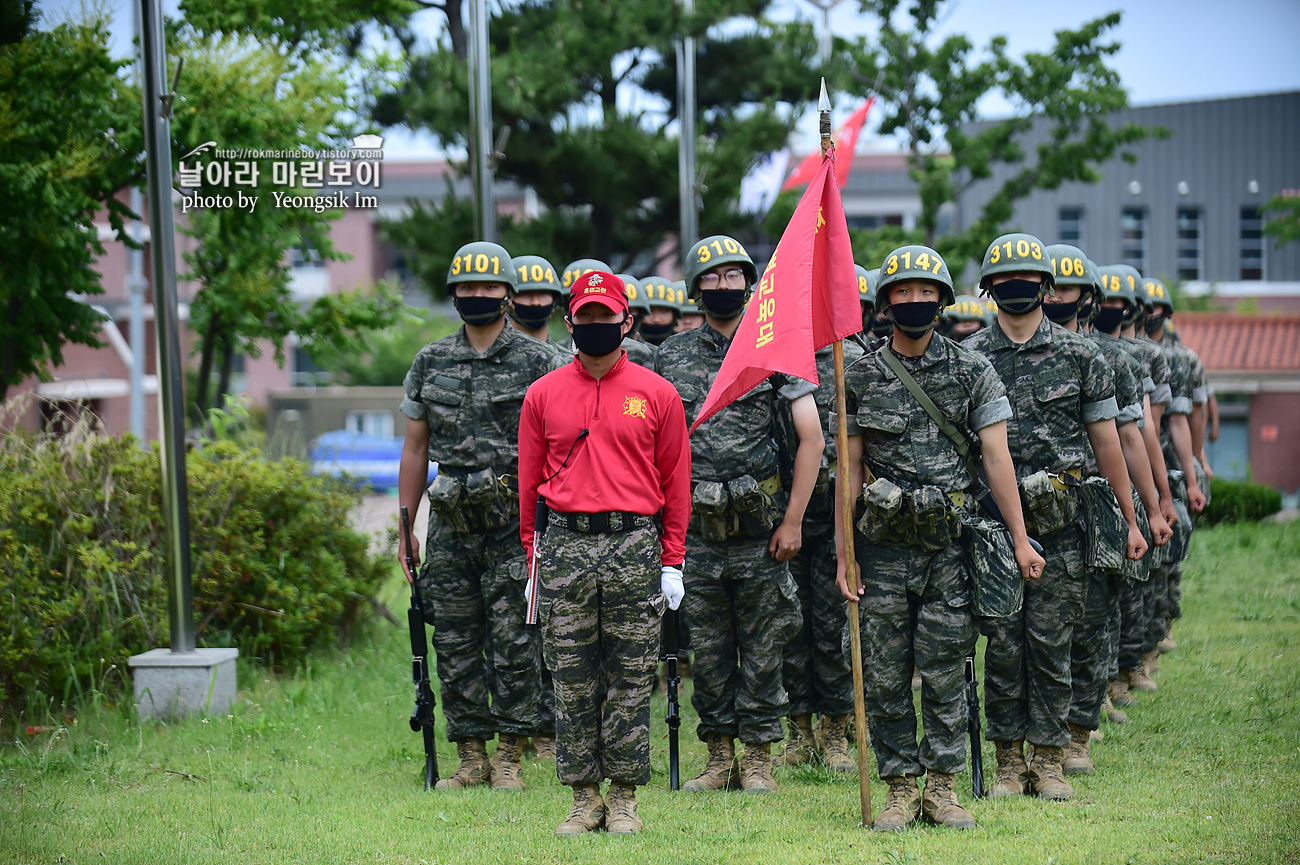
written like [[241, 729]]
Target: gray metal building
[[1189, 209]]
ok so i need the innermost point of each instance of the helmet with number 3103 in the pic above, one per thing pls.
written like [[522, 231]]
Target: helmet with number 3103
[[914, 262], [1016, 253], [713, 251], [481, 261]]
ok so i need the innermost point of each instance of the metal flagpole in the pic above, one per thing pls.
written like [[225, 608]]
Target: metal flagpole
[[480, 89], [689, 228], [847, 498], [162, 244]]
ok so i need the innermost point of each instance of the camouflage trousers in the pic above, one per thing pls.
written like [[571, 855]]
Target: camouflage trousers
[[816, 668], [1135, 603], [487, 662], [1027, 686], [743, 608], [916, 610], [1159, 609], [600, 610], [1092, 649]]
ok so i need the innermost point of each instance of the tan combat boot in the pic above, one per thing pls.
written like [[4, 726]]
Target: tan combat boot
[[940, 805], [544, 747], [506, 770], [473, 769], [1118, 691], [1077, 759], [832, 735], [1115, 716], [620, 810], [1151, 662], [801, 746], [756, 769], [1046, 775], [902, 805], [722, 772], [1012, 775], [1168, 644], [588, 813], [1140, 679]]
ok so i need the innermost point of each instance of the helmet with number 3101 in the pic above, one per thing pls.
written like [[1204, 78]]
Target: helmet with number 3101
[[481, 261], [713, 251], [913, 262]]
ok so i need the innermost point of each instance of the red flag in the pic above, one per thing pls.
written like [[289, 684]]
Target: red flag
[[806, 300], [845, 142]]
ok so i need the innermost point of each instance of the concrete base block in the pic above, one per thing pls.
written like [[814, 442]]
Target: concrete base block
[[171, 685]]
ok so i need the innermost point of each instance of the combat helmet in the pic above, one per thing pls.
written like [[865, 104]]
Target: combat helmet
[[713, 251], [1016, 253], [534, 273], [481, 261], [866, 286], [636, 296], [575, 269], [913, 262]]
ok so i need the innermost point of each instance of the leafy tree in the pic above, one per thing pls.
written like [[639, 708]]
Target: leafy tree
[[69, 138], [929, 95], [385, 358], [1284, 223], [588, 91]]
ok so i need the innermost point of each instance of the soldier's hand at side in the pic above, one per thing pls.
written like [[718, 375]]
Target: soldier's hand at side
[[415, 555], [1160, 531], [1137, 545], [1195, 498], [1031, 564], [1169, 512], [842, 581], [786, 541]]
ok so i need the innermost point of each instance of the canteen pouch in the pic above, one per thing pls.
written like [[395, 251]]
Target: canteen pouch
[[755, 509], [483, 496], [936, 524], [445, 500], [1105, 536], [999, 588], [1046, 508], [709, 510], [884, 502]]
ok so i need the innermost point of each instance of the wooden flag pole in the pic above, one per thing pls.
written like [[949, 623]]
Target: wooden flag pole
[[846, 515]]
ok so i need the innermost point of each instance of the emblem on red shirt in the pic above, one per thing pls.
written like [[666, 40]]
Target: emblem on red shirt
[[634, 406]]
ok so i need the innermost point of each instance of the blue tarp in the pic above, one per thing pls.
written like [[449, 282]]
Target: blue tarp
[[369, 460]]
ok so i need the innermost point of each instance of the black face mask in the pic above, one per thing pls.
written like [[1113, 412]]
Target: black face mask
[[724, 304], [480, 311], [915, 319], [1018, 296], [1109, 319], [1087, 311], [534, 316], [1154, 324], [881, 326], [655, 334], [1061, 313], [598, 338]]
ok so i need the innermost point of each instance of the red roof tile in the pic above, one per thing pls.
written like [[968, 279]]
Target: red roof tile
[[1228, 342]]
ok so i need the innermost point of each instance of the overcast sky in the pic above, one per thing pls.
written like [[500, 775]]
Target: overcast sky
[[1172, 50]]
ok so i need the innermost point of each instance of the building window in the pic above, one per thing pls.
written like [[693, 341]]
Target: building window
[[1189, 243], [1252, 243], [304, 255], [1070, 226], [370, 423], [1133, 237], [874, 221]]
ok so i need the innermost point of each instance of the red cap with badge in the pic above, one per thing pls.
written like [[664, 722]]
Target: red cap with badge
[[598, 286]]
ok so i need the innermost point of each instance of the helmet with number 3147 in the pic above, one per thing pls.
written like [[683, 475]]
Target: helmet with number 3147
[[713, 251], [1016, 253], [481, 261], [913, 262]]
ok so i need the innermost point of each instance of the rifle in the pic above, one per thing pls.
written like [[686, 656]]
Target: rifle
[[973, 725], [674, 716], [422, 719]]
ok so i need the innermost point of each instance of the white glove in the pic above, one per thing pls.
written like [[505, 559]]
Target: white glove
[[670, 582]]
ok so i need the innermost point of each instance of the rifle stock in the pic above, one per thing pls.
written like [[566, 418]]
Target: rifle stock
[[674, 717], [973, 725], [422, 718]]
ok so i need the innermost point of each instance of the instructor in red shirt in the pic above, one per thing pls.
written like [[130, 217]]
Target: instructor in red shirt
[[603, 450]]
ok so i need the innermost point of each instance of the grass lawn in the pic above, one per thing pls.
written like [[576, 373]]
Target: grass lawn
[[320, 767]]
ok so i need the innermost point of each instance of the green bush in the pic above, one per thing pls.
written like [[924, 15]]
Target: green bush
[[1240, 501], [276, 568]]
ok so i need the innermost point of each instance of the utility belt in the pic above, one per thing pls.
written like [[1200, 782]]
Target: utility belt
[[1050, 501], [478, 501], [739, 508], [928, 517], [602, 523]]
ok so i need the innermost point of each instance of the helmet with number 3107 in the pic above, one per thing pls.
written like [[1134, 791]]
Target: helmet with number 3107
[[481, 261], [713, 251], [913, 262]]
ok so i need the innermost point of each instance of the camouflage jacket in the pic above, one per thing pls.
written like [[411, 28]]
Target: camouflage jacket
[[1057, 382], [742, 439], [1153, 360], [899, 440], [1129, 375], [471, 401]]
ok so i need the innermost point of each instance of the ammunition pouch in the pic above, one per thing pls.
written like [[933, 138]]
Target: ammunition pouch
[[739, 508], [999, 587], [445, 500], [481, 502], [1048, 502], [1180, 544], [1105, 539], [1202, 478], [1140, 571], [927, 518], [709, 516]]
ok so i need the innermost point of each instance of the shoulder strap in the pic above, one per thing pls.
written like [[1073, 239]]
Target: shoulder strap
[[959, 439]]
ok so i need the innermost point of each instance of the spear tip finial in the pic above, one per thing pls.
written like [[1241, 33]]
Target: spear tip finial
[[823, 101]]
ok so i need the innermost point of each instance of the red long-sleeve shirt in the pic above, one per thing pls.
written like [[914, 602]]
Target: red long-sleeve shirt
[[636, 456]]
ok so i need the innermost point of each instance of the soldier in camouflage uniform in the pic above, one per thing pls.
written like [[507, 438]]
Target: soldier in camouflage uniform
[[1062, 393], [603, 444], [462, 400], [689, 317], [638, 352], [661, 321], [539, 293], [965, 315], [866, 297], [741, 602], [917, 587]]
